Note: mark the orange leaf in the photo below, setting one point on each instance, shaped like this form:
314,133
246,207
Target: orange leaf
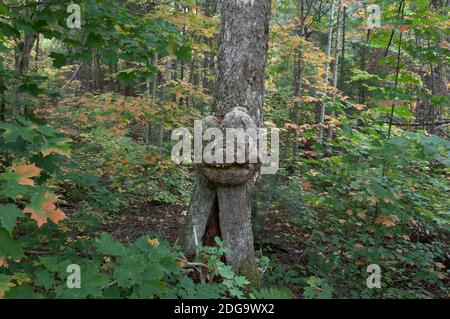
387,221
388,201
25,172
404,28
47,210
307,186
2,262
181,262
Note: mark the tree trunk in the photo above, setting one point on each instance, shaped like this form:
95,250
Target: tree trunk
327,72
226,211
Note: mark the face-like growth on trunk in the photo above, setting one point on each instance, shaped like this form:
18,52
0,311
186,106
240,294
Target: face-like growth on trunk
234,145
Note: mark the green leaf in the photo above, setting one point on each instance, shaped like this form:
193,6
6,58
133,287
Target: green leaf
8,216
45,279
59,59
106,245
5,284
12,133
22,292
10,247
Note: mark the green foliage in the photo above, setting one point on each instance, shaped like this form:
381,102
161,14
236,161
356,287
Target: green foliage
212,256
272,293
317,289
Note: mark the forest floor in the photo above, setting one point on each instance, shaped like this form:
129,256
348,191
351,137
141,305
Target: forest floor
274,235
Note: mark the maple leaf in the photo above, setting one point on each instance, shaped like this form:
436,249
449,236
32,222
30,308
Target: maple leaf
390,221
45,209
362,214
25,172
388,201
2,262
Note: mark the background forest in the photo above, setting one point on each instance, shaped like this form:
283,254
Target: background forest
86,175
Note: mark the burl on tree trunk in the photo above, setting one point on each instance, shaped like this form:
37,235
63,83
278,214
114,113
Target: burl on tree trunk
221,200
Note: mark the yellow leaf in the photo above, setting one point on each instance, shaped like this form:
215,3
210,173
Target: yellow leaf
359,263
153,242
362,214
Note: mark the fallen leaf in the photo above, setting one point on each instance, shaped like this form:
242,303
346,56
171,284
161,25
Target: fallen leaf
440,265
181,262
359,262
441,276
390,221
362,214
307,186
153,242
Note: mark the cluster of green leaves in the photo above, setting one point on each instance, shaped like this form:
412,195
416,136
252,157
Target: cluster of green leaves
373,201
146,268
213,256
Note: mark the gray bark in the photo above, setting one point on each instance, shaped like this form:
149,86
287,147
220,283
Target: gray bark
240,83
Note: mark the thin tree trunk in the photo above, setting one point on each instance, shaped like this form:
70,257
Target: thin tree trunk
327,73
336,62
